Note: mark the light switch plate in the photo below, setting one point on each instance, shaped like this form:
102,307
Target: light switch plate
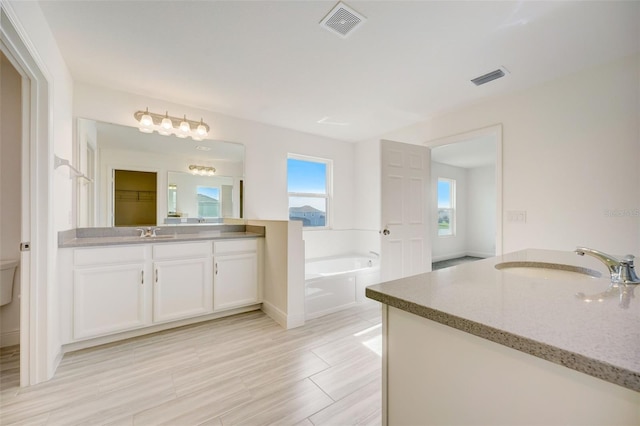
517,216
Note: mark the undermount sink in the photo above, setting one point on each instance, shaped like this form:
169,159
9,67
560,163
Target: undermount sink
548,271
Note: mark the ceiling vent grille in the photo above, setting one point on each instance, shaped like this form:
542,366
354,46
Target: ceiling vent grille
342,20
490,76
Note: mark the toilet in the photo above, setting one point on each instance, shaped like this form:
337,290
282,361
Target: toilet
7,272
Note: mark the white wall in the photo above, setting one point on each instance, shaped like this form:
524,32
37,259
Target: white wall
283,277
570,157
10,196
481,211
449,247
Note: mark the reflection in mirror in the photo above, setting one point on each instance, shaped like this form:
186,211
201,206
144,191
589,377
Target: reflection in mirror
103,148
172,200
203,197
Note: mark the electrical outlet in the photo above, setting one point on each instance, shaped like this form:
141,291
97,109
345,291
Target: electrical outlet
517,216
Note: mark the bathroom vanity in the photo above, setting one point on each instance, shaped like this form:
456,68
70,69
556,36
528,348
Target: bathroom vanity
116,284
513,339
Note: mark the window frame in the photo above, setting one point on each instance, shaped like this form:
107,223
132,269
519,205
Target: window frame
219,189
327,196
452,209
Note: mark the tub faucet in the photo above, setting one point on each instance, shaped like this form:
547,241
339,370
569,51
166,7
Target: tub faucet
622,270
374,253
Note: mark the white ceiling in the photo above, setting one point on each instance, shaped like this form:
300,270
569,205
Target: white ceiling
271,61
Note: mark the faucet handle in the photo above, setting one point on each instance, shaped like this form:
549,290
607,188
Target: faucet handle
628,273
154,232
141,231
628,259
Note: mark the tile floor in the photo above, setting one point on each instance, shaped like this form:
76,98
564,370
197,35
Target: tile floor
240,370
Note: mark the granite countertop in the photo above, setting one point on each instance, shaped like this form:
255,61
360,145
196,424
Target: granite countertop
96,237
545,315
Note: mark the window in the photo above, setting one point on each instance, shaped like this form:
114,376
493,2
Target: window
446,207
208,201
309,187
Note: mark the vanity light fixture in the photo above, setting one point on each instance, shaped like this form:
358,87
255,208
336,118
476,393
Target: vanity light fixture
202,170
148,122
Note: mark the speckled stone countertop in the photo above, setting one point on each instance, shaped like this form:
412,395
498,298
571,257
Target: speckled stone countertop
543,314
94,237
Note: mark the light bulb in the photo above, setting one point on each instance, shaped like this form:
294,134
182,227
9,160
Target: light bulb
201,130
184,126
146,120
166,122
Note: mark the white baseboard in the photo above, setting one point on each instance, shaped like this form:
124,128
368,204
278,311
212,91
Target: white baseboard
448,256
294,321
286,321
10,338
274,313
481,254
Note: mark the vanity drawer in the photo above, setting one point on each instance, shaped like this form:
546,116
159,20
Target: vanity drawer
166,251
235,246
109,255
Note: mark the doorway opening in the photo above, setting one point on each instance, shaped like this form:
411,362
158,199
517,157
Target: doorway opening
10,220
466,176
135,198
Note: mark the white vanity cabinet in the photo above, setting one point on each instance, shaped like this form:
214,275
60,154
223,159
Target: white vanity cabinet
235,273
182,281
109,290
114,292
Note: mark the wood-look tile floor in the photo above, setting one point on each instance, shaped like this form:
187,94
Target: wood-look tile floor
240,370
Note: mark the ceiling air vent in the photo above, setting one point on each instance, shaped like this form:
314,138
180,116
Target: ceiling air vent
490,76
342,20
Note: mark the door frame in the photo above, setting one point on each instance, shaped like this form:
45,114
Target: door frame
37,264
495,131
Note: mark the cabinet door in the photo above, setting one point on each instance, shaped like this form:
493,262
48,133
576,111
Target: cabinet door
182,288
108,299
235,280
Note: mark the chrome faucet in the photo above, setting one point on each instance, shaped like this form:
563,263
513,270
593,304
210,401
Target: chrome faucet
149,232
622,270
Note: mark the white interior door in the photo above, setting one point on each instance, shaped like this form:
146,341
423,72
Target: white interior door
405,246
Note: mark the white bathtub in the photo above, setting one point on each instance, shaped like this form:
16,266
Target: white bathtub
336,283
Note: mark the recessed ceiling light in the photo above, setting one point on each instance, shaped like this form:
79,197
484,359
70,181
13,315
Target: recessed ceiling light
203,148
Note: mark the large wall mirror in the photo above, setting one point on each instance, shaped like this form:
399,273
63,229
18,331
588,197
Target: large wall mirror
142,179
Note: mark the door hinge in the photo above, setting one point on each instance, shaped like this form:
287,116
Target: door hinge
25,246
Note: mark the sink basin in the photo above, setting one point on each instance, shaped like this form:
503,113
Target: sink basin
548,271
